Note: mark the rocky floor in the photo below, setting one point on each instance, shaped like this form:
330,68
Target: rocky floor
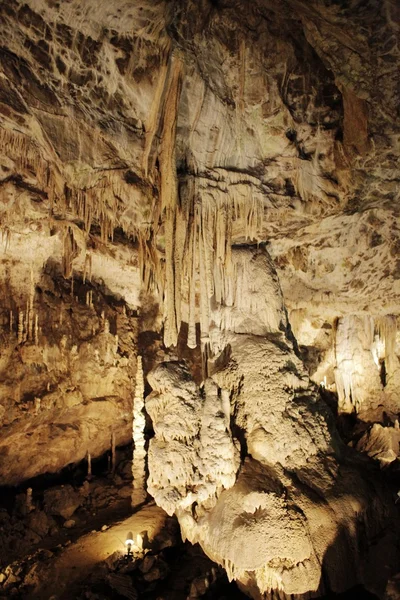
95,565
67,540
63,507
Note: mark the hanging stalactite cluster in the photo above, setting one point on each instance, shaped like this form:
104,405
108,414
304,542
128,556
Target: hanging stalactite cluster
197,224
104,200
367,368
202,261
184,232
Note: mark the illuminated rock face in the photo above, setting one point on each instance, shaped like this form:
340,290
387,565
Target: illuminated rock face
66,389
227,169
263,522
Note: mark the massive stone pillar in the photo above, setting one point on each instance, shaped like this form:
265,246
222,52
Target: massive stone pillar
250,462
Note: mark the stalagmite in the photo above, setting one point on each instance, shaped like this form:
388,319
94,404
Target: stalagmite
89,466
29,502
138,425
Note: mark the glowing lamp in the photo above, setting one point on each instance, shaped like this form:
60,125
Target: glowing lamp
129,543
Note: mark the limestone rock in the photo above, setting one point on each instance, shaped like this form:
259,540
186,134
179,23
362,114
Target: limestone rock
393,588
381,443
69,524
267,398
122,584
68,389
227,170
39,522
62,501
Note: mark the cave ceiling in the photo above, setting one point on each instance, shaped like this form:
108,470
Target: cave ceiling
290,108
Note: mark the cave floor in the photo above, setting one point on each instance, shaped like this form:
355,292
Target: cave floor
77,560
57,569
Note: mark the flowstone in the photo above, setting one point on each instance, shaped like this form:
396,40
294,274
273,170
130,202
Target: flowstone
273,514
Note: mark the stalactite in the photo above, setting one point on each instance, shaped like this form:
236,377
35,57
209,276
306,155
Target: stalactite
152,122
87,267
357,378
204,287
200,252
36,329
192,270
386,328
202,243
138,425
106,326
100,199
6,237
26,324
29,310
169,195
181,241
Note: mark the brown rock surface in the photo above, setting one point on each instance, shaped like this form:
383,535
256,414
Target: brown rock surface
145,147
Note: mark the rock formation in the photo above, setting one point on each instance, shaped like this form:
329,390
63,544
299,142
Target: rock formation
264,519
212,186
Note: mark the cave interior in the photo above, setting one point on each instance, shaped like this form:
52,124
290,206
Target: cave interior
199,299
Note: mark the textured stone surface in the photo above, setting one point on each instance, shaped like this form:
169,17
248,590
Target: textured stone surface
144,147
66,380
62,501
265,525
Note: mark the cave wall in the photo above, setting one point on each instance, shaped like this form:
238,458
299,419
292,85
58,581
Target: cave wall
67,376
